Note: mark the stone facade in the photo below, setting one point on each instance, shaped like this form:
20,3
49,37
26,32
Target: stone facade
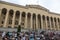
29,17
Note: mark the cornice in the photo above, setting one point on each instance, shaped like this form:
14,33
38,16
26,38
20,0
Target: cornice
12,4
27,6
54,13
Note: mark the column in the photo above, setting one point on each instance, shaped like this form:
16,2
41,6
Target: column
26,22
54,24
37,22
46,23
31,22
42,22
20,18
57,24
6,19
0,12
13,19
0,16
50,23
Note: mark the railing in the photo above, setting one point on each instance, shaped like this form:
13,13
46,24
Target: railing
12,29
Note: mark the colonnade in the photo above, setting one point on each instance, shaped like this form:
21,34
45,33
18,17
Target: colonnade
11,18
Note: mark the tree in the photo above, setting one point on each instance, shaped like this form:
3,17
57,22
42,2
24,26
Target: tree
19,28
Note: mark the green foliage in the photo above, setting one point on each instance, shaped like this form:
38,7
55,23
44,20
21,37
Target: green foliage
19,28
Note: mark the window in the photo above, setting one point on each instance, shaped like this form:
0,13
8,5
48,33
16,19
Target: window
52,22
2,22
29,15
11,12
15,27
34,21
22,23
43,17
55,23
23,14
58,19
34,16
4,11
9,26
39,21
10,21
44,22
16,22
48,21
17,13
4,17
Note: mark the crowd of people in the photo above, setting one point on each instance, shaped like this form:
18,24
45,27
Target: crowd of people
43,35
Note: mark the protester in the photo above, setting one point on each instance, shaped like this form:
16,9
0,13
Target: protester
30,36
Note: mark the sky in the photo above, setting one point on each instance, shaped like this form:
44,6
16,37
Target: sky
52,5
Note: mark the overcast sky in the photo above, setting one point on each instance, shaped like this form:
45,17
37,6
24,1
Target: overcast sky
52,5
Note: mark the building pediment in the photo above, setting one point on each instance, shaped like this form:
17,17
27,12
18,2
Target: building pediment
37,7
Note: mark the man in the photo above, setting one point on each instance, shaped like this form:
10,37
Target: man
3,34
23,37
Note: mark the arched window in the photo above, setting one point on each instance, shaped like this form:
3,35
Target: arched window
47,18
52,22
11,12
55,23
9,26
59,22
39,21
28,20
43,17
10,16
48,23
2,22
16,22
55,19
23,14
34,21
17,14
58,19
34,16
44,22
4,11
10,21
23,19
51,19
29,15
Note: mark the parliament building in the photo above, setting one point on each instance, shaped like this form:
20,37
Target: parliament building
32,17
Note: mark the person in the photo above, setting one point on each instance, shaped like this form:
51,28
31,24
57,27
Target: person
23,37
5,39
15,36
3,34
31,37
27,37
7,34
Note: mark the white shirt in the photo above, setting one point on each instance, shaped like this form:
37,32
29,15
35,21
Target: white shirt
23,38
15,35
3,34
